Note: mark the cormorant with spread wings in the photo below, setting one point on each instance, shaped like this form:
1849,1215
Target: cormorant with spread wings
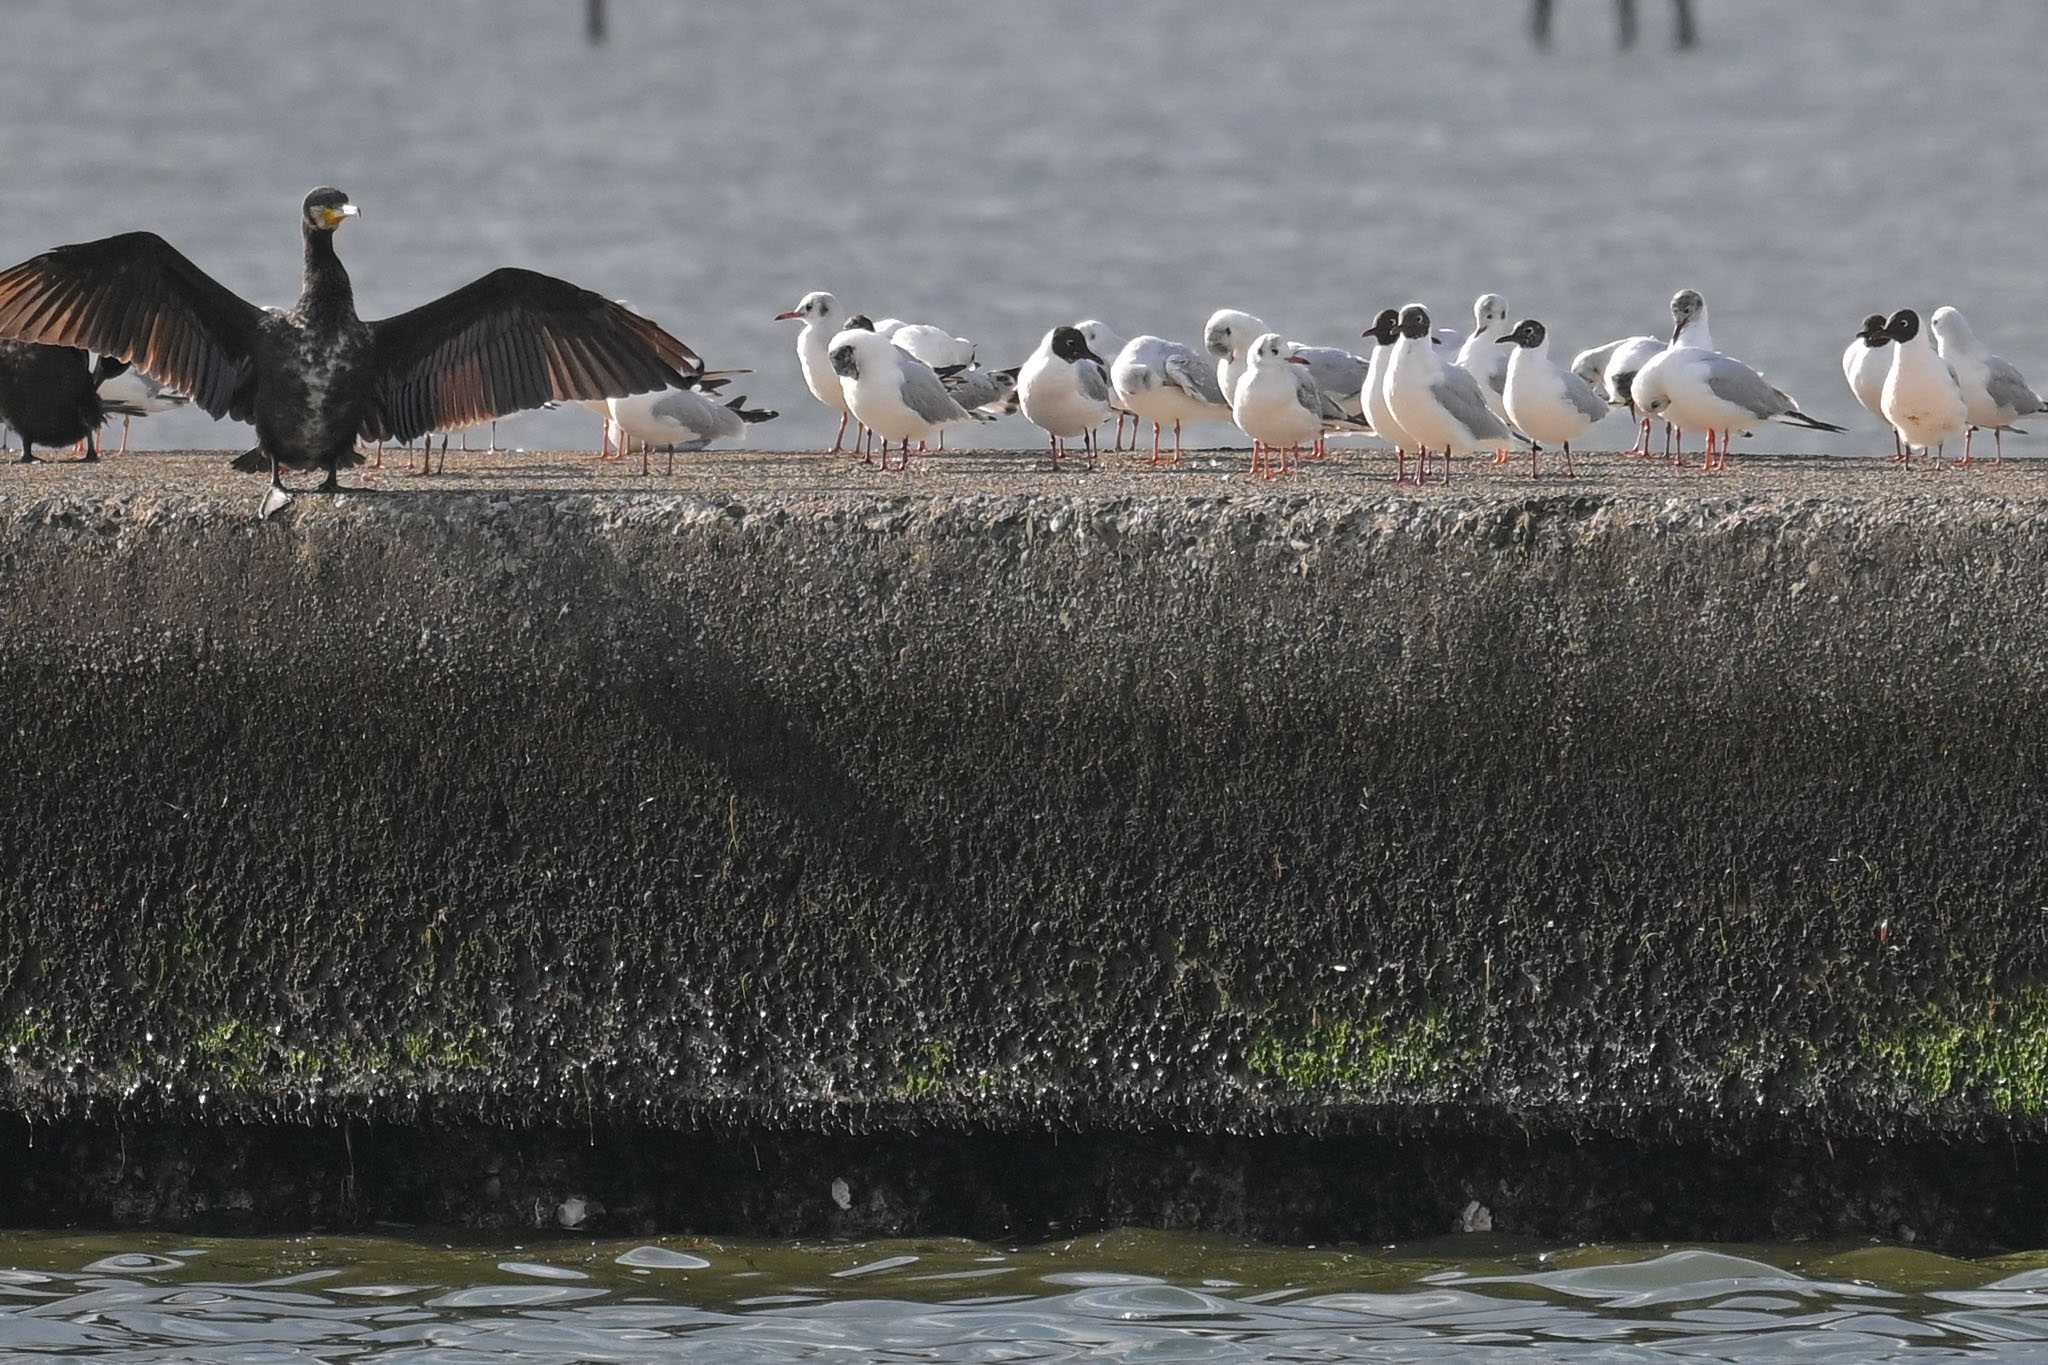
315,378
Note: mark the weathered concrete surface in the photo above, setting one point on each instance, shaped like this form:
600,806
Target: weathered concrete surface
1650,806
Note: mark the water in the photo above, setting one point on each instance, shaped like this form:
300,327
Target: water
1134,1297
1002,169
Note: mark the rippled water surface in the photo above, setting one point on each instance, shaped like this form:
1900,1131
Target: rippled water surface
1002,168
1123,1297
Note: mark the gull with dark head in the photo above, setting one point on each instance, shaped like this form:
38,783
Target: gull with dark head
1696,388
1546,402
1921,399
891,392
1064,388
1442,407
1865,363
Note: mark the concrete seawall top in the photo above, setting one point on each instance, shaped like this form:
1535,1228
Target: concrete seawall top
791,793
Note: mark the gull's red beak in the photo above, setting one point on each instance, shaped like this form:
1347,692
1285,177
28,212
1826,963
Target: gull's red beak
787,314
1296,360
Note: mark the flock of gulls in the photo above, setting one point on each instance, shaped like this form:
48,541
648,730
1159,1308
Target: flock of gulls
127,326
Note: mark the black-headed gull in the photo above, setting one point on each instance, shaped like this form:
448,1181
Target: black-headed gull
1481,353
134,394
1277,402
1167,384
1442,407
1545,401
822,319
891,392
935,346
1994,391
1865,363
1696,388
1385,331
685,419
1064,388
1921,398
1611,370
1108,343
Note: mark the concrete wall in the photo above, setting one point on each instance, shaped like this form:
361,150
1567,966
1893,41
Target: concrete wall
1574,816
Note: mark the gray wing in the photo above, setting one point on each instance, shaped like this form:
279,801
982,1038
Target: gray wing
1093,381
1193,376
924,393
1465,401
2008,388
1583,397
697,414
1731,381
1336,371
1310,394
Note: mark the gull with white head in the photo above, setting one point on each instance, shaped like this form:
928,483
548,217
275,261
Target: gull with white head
1277,403
1994,390
1167,384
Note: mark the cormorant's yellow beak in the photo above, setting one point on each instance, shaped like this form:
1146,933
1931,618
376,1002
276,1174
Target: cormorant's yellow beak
332,217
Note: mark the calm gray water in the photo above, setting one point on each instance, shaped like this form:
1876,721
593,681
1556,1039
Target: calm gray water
1123,1297
1003,168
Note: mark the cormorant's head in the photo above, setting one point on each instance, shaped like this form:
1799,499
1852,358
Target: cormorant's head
1872,332
1415,322
1385,327
816,306
1069,345
1686,307
1528,332
1904,326
326,208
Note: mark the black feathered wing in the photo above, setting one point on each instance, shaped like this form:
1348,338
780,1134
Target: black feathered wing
510,341
137,297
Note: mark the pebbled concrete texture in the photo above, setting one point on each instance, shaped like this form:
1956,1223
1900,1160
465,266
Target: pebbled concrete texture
1694,812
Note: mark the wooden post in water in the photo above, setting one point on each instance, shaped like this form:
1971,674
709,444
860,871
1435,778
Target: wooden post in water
594,21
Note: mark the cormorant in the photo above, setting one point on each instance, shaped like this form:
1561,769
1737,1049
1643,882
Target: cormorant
317,377
50,394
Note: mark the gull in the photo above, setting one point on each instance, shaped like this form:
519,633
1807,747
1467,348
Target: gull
1865,363
1166,382
820,314
1438,405
935,346
1696,388
1611,370
890,391
1996,393
134,394
1385,331
1546,402
681,419
1227,335
1922,399
1479,353
1339,375
1105,342
1064,388
981,390
1277,402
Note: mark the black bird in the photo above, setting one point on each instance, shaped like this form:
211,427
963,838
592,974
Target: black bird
317,377
51,395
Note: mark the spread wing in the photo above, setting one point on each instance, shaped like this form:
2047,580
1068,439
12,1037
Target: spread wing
513,340
137,297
